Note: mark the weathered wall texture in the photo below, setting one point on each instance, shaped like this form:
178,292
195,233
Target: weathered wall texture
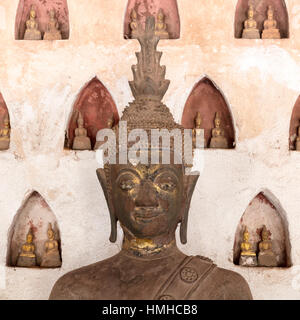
40,82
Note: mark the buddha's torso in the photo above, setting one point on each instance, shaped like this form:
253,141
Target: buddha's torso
247,248
80,132
265,246
4,133
53,25
28,250
31,24
250,24
123,277
51,246
270,24
161,26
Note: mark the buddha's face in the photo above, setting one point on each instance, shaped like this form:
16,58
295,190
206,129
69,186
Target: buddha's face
246,236
110,123
251,14
148,199
265,235
29,238
50,234
217,122
133,15
80,122
32,14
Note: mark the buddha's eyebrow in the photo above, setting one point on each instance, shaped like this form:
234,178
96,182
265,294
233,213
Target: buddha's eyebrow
159,170
128,170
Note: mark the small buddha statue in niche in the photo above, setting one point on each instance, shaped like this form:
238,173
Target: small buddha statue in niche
5,135
218,139
27,257
250,26
297,144
149,201
51,257
270,26
81,140
266,256
109,125
160,26
52,30
32,32
197,129
248,257
133,24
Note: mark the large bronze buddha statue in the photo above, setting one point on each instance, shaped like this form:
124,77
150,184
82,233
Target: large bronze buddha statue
149,201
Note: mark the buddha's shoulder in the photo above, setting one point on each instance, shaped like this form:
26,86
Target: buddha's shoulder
77,284
220,284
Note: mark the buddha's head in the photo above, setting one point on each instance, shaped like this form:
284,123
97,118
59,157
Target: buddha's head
133,15
246,235
265,234
29,237
149,200
32,12
52,14
80,120
251,12
198,120
6,123
270,13
160,15
217,120
50,232
110,121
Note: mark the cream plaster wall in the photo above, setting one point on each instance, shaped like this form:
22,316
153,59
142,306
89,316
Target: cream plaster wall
40,80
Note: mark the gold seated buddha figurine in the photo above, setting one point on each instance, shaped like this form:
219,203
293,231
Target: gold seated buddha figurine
27,257
52,30
32,32
5,135
218,139
266,256
250,30
149,200
160,26
81,140
133,24
270,26
197,130
51,257
248,257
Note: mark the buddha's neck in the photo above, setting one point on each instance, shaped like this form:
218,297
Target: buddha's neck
148,249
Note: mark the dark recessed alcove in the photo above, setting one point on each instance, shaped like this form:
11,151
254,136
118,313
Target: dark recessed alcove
294,125
144,8
35,215
207,99
96,106
260,15
266,210
4,116
42,13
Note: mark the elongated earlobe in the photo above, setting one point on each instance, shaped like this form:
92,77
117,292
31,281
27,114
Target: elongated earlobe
190,182
113,219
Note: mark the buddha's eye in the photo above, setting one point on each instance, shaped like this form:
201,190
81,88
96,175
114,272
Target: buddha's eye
166,182
126,185
167,186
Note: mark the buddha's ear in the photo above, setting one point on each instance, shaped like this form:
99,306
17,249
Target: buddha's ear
113,220
190,182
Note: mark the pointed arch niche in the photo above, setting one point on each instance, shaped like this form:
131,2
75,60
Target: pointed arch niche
36,214
4,114
42,12
144,8
294,125
260,15
96,106
207,99
264,209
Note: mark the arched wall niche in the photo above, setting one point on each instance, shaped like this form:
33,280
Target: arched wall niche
96,105
144,8
294,125
207,99
260,15
4,114
42,11
266,210
36,214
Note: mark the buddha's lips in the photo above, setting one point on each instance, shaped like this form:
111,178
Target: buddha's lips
147,213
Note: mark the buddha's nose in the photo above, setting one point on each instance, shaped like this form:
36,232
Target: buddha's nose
146,196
